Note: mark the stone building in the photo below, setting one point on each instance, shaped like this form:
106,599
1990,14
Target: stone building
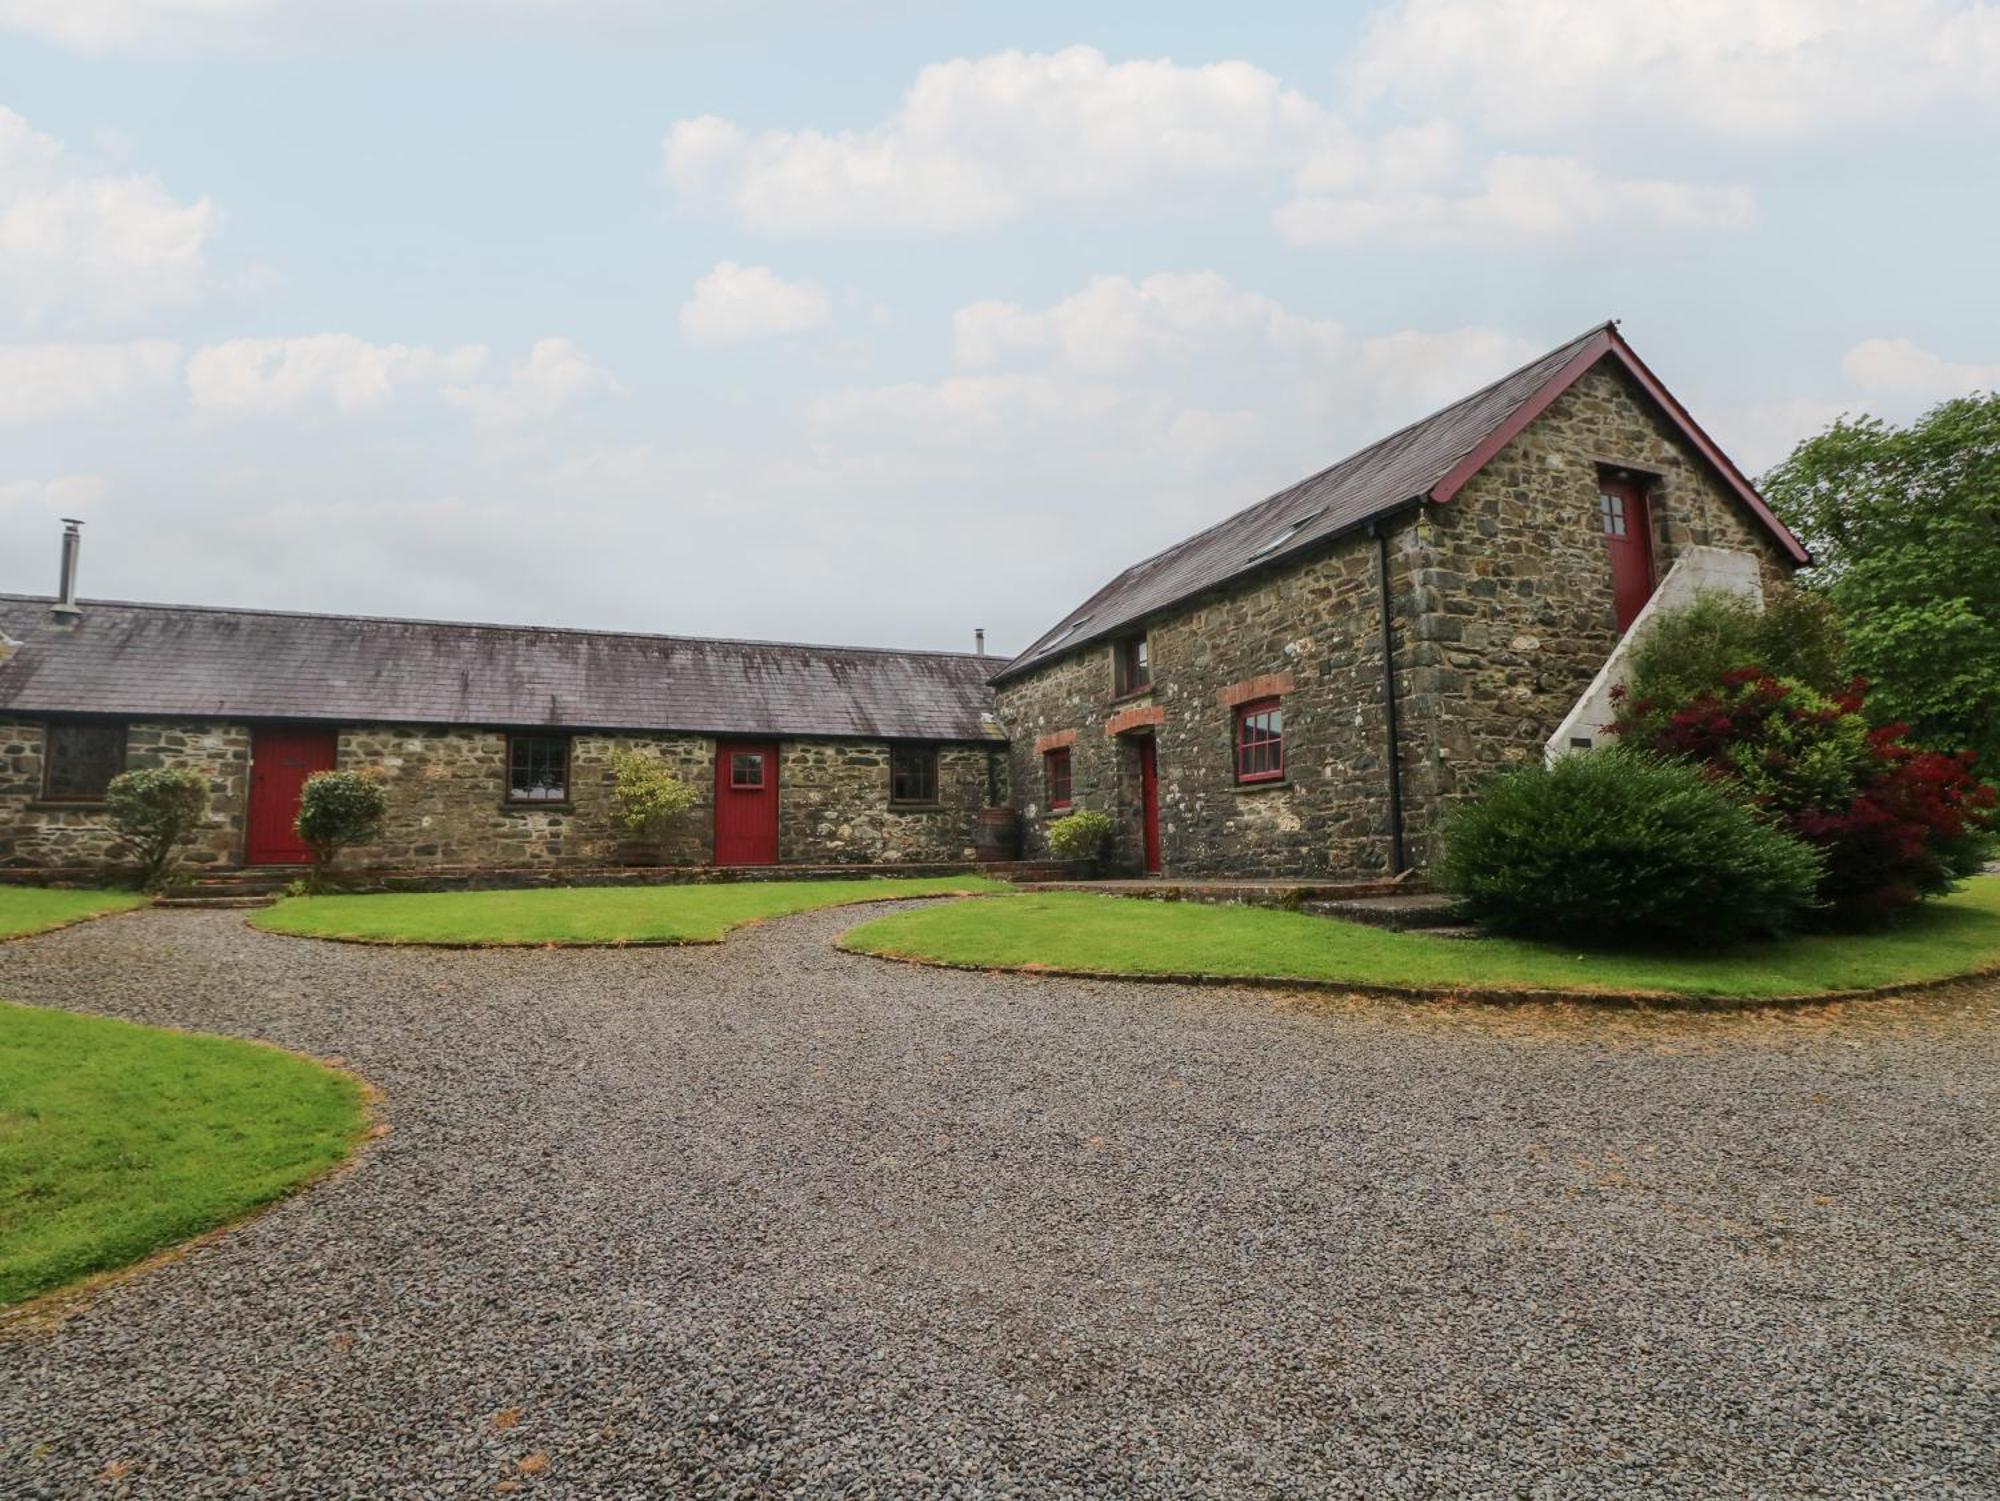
1305,687
1302,689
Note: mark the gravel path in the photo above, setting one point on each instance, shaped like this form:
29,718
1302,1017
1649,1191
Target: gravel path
766,1219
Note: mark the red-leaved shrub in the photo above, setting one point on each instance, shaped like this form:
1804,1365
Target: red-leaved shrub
1894,823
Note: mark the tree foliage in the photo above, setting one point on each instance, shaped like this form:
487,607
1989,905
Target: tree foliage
1905,524
645,794
339,809
156,812
1892,823
1687,650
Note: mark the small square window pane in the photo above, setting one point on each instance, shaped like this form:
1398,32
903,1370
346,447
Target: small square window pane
746,769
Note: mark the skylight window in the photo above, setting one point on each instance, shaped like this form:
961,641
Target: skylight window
1287,534
1062,635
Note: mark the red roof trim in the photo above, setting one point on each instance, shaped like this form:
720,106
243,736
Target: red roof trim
1609,342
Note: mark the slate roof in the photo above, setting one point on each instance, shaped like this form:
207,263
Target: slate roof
174,661
1429,459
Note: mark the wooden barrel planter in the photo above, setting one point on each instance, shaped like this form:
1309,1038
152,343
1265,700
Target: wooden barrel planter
998,835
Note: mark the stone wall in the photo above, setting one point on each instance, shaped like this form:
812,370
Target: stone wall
448,808
77,835
448,789
1512,613
1315,625
833,805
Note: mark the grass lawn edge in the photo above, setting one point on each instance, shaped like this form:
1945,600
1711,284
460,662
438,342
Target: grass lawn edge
138,903
461,944
1498,995
48,1308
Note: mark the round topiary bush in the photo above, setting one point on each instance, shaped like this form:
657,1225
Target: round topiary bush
1613,847
1080,836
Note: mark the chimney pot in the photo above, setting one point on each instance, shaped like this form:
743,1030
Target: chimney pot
979,639
72,544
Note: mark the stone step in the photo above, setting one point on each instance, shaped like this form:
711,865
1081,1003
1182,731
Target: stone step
1404,912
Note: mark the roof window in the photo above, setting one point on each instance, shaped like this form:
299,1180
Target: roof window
1288,533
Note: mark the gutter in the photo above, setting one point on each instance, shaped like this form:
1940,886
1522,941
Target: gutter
1398,857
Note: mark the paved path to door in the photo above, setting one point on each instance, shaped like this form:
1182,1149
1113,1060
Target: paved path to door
764,1219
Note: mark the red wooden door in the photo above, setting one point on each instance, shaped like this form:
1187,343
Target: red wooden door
280,762
1149,801
746,802
1628,537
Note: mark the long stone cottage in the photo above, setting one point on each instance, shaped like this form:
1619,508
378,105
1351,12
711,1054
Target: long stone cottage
1300,690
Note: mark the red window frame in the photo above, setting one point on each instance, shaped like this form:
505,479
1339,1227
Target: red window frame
1260,741
1056,777
1135,666
736,759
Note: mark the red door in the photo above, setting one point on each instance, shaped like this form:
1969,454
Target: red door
280,762
1628,536
1149,801
746,802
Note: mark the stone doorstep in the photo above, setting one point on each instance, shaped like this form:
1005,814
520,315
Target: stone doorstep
1428,911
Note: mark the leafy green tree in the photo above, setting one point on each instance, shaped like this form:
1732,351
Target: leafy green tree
155,812
1905,523
646,796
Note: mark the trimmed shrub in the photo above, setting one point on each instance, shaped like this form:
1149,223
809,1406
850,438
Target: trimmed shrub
339,809
1079,836
1894,823
1613,847
1687,651
646,795
155,812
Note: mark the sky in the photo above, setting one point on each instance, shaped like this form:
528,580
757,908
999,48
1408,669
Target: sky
874,321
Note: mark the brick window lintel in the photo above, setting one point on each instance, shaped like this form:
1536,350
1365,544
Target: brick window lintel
1056,741
1265,685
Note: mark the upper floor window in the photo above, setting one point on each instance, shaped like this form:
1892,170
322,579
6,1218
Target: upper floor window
913,773
1260,741
538,768
80,759
1135,666
1055,777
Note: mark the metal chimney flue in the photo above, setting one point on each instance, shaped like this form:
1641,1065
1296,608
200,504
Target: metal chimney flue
979,639
72,544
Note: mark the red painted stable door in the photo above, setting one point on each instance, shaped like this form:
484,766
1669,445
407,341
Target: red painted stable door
1628,537
280,762
746,802
1149,802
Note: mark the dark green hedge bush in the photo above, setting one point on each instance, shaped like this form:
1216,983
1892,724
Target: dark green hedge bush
1612,847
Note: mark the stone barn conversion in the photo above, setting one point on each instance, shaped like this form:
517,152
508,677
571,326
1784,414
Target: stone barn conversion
1299,691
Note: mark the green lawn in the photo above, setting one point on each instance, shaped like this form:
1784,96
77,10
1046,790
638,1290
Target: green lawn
116,1139
1115,935
36,909
585,914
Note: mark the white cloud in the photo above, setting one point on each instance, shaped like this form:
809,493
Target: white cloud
1117,326
1904,369
320,372
978,141
555,376
79,495
188,27
734,303
1748,68
83,248
43,381
1537,201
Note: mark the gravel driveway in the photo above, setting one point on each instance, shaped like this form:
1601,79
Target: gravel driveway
766,1219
